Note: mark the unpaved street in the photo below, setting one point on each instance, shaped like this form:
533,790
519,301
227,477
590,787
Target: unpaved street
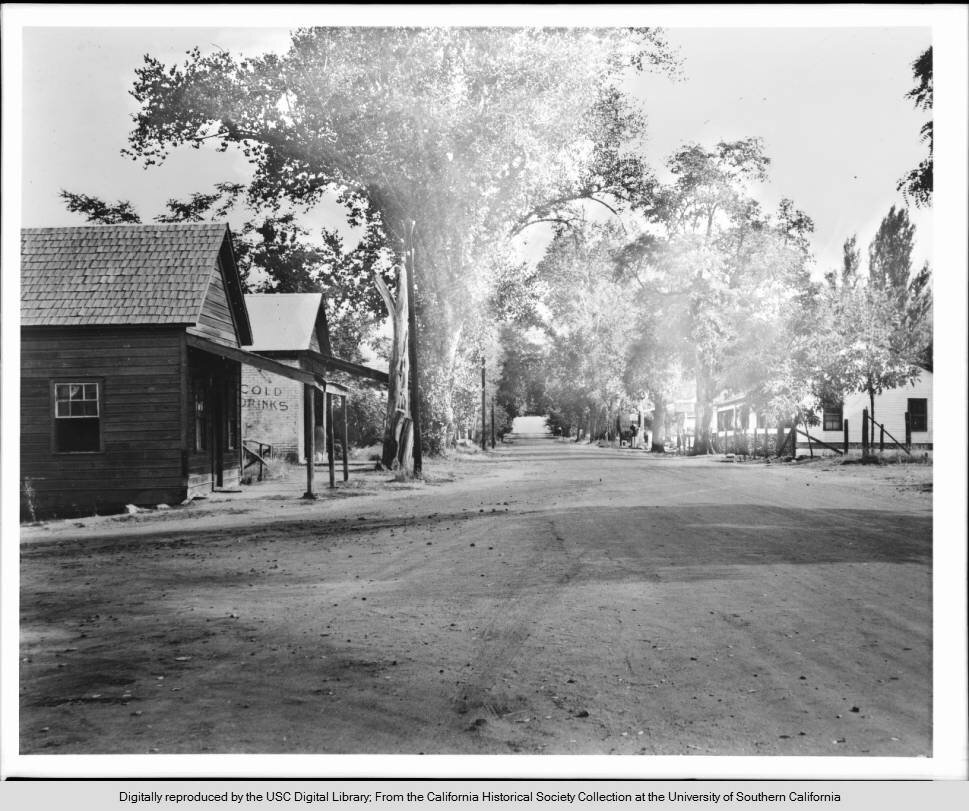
552,599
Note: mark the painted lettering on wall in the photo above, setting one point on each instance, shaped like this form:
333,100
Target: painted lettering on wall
265,405
264,391
264,398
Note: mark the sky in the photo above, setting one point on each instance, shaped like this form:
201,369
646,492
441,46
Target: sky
829,104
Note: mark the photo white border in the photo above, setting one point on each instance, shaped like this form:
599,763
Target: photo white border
950,758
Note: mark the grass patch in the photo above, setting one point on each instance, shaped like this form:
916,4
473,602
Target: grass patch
887,458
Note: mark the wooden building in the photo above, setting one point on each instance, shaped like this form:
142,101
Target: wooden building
291,328
131,351
736,423
891,406
286,327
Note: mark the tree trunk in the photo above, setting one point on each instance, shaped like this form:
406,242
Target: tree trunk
659,424
415,447
704,412
398,425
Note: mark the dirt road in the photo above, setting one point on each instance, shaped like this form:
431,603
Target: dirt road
552,599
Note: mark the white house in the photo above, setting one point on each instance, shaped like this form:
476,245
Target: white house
890,409
733,419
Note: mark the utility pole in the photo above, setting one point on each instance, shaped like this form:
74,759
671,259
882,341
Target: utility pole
415,402
492,422
484,413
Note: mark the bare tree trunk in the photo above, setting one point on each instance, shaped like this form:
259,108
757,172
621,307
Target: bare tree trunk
659,423
416,449
398,425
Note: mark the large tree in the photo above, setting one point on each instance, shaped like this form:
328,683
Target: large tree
881,326
890,253
589,325
461,136
714,268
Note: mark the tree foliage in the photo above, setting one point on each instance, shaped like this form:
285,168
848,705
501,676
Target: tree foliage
890,253
880,328
590,324
917,184
99,211
274,253
716,273
472,134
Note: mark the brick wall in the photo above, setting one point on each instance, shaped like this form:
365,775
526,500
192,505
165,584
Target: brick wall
272,410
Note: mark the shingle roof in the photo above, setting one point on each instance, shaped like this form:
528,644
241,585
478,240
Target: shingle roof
282,321
117,274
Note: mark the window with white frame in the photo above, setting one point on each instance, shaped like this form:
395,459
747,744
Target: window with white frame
918,414
833,417
77,417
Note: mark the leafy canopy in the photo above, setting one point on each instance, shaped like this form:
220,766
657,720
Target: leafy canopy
471,133
918,182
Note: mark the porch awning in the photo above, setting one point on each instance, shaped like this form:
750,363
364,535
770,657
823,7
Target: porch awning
321,363
266,364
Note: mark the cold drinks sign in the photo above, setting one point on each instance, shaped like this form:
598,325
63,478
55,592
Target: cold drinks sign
263,398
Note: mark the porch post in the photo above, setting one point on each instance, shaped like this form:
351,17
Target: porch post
346,443
329,439
309,436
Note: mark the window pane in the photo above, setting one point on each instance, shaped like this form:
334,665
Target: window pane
833,417
76,400
201,422
918,414
79,435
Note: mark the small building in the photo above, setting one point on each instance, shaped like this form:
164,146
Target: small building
131,350
891,406
286,327
291,329
736,427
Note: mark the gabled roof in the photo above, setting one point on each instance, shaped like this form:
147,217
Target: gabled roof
286,322
125,274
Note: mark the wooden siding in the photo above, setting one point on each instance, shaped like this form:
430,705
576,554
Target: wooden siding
140,422
890,408
216,320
